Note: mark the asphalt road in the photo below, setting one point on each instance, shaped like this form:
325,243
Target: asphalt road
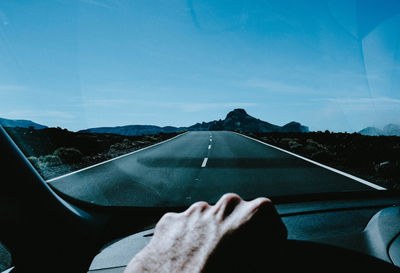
201,166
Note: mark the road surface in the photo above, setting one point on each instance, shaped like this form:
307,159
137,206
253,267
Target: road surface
201,166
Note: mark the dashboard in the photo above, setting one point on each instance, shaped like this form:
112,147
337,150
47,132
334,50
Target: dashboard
365,226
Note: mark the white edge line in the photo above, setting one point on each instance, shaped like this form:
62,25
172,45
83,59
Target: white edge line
115,158
365,182
209,147
204,162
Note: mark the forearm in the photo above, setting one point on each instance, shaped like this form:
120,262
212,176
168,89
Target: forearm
150,260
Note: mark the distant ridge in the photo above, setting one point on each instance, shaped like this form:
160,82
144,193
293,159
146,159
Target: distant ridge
134,130
389,130
20,123
371,131
237,119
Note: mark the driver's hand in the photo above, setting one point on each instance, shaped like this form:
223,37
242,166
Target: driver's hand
231,236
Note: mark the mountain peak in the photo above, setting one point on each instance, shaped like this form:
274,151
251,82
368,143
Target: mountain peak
239,112
389,130
392,130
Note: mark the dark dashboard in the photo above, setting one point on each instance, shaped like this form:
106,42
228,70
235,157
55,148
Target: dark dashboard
351,231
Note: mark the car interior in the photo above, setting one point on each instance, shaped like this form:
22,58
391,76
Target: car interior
112,79
44,229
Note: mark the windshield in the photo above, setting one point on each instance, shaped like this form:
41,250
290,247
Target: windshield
163,103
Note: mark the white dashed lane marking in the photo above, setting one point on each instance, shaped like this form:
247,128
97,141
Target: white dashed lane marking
204,162
206,158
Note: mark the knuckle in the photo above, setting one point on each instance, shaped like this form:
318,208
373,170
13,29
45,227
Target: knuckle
198,206
168,217
165,221
201,204
229,203
261,201
230,197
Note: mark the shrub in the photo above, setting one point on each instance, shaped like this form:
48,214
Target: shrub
68,155
49,161
116,147
34,161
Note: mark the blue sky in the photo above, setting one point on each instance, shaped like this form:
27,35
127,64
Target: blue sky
77,64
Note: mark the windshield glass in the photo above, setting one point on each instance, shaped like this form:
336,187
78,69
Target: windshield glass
163,103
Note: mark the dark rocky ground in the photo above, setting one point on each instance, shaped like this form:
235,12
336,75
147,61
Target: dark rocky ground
373,158
56,151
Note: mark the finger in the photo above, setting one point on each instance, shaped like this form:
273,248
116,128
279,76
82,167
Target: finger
245,211
250,208
226,205
254,205
200,206
261,217
252,226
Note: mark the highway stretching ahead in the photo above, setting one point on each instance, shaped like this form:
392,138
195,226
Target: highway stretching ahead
201,166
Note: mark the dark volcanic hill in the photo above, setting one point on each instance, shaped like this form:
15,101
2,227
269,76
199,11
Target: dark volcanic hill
237,119
20,123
